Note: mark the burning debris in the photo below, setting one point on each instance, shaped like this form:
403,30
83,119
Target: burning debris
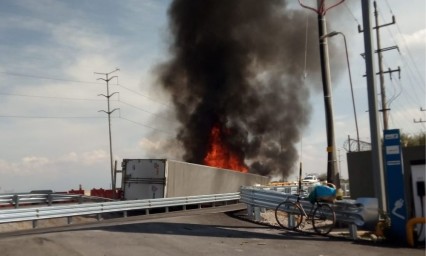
220,155
236,79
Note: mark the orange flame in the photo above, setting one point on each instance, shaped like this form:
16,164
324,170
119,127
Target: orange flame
220,156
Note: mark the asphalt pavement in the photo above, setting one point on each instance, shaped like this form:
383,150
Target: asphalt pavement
212,231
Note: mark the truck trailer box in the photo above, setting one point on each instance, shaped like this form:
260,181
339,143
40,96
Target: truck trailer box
159,178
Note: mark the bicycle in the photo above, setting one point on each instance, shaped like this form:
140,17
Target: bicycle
290,215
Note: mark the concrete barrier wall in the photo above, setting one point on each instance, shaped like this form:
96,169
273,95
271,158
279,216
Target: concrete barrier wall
186,179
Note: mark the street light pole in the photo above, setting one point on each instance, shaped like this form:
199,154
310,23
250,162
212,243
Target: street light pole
331,34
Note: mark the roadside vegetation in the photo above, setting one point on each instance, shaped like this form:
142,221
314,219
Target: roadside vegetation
409,140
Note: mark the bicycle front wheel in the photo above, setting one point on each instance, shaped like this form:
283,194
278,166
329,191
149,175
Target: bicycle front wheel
288,215
324,219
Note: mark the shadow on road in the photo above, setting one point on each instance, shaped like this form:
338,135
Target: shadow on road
197,230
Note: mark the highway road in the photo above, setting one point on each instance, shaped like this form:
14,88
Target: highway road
196,232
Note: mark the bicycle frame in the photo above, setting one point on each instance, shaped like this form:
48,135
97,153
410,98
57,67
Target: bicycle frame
293,216
311,212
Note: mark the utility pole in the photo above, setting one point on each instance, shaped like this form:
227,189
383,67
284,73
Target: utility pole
381,73
376,148
420,120
321,10
108,112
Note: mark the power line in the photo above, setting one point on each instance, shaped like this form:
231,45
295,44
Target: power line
405,45
49,117
146,111
401,54
410,93
82,82
147,126
83,99
47,97
350,11
47,78
88,117
142,95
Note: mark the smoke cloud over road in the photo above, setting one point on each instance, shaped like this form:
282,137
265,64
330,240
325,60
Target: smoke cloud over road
239,66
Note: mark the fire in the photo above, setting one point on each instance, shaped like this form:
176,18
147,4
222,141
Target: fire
221,156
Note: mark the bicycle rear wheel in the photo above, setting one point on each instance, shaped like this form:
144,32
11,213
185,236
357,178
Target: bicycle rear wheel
324,219
288,215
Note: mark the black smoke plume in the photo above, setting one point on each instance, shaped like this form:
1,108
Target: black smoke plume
239,65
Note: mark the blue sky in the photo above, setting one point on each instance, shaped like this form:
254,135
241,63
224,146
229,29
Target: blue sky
53,136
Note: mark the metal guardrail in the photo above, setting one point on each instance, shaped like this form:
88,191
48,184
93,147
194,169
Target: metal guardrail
361,212
17,200
39,213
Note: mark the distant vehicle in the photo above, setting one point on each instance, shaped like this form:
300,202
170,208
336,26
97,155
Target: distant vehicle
310,178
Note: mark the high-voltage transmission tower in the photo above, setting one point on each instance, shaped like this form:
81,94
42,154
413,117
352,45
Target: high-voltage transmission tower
381,73
109,112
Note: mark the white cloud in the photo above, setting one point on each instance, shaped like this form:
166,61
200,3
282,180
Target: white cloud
39,164
418,37
94,157
34,161
55,172
71,157
416,40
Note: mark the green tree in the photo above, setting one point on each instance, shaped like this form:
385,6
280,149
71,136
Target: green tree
413,139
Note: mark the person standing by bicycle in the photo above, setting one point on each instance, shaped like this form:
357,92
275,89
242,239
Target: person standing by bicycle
324,193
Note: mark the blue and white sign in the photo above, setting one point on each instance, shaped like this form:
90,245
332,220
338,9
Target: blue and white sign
395,184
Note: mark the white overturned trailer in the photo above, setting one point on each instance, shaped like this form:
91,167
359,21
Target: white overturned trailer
160,178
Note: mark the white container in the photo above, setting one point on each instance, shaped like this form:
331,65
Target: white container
157,178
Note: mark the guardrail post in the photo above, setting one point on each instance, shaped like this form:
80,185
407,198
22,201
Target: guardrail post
257,213
80,199
35,223
15,201
353,231
146,211
69,220
49,199
291,221
250,211
99,217
184,207
124,214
